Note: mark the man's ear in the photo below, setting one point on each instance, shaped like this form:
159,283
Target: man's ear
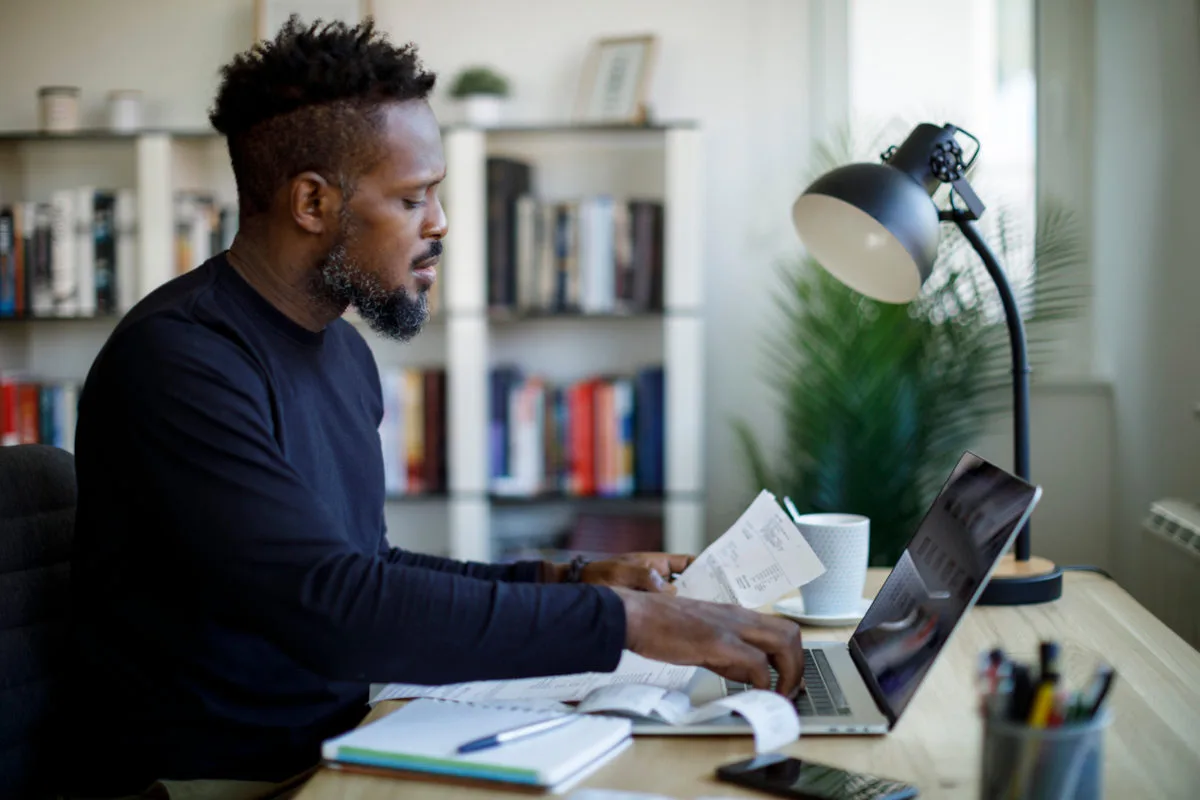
314,203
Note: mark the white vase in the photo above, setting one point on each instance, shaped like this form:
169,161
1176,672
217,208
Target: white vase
482,110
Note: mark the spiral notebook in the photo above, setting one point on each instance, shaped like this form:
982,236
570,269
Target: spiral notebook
422,738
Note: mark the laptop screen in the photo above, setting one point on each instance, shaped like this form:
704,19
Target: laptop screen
939,574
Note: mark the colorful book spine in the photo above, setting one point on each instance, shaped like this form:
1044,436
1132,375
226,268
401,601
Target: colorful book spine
600,436
412,430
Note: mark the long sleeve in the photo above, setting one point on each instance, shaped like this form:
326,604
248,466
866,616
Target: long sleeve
519,572
268,552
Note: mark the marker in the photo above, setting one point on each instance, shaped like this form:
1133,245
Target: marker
1048,659
1018,707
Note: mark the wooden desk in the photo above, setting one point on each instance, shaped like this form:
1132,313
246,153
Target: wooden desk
1152,749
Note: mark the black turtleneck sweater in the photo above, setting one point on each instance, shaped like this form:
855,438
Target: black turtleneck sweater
233,591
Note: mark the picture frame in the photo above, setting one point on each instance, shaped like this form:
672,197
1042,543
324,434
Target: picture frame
616,80
269,15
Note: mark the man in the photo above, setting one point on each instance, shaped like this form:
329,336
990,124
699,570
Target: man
234,592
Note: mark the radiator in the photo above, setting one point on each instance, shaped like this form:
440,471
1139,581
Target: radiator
1170,562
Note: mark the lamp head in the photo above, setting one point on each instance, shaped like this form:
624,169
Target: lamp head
874,226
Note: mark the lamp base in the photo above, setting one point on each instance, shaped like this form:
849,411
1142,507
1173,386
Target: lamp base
1022,583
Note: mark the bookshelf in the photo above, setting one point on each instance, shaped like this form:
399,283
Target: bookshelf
468,337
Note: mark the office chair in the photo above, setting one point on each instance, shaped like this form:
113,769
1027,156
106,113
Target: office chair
37,518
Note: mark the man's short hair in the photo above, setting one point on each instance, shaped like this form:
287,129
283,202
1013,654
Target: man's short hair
309,100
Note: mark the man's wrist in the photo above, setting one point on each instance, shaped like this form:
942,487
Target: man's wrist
634,608
564,573
574,571
552,573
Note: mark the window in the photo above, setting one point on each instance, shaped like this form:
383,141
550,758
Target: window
966,62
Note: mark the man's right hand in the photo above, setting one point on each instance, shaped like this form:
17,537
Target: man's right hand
734,642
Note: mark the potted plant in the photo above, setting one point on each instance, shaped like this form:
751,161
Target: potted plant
481,92
878,401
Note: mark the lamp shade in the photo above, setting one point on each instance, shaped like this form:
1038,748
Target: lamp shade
873,227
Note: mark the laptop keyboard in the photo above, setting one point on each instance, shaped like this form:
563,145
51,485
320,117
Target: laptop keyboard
822,696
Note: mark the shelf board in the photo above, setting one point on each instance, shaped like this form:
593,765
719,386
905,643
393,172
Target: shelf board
102,135
550,498
551,128
504,315
47,320
424,497
568,128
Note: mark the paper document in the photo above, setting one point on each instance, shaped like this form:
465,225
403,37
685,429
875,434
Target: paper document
757,561
614,794
772,716
632,669
621,794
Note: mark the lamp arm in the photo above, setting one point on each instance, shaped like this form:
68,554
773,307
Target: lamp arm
1020,358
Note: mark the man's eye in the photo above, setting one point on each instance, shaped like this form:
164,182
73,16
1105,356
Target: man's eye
411,204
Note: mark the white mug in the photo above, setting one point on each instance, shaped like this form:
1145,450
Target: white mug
842,542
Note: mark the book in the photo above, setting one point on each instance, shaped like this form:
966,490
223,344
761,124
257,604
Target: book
422,739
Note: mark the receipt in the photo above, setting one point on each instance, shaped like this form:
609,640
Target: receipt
629,699
757,561
772,716
638,701
632,669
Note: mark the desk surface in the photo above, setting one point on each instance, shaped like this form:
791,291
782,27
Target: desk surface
1152,749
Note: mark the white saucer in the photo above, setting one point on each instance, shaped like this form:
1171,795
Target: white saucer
793,608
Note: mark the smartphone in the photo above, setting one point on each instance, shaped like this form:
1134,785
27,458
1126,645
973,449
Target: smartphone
806,780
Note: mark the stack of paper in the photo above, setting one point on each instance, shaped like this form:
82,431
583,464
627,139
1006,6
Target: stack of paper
759,559
633,669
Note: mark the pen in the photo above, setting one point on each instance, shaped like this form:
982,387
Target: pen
513,734
1106,679
998,668
793,512
1060,710
1043,704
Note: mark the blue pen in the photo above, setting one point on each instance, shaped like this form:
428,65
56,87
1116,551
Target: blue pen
513,734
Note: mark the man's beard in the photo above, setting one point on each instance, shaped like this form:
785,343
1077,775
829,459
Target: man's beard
394,314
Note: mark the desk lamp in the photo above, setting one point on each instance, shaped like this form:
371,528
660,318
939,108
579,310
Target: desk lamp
875,228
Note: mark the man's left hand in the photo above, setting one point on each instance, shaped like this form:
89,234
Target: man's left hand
648,572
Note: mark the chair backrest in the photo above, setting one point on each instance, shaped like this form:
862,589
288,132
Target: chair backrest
37,520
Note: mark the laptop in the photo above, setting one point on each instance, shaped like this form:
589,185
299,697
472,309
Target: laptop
862,687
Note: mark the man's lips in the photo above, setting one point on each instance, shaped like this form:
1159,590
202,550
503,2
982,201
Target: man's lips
426,270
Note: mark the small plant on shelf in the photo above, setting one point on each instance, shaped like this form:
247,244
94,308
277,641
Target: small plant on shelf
479,81
482,92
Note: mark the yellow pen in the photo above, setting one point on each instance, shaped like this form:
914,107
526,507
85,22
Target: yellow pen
1043,704
1039,715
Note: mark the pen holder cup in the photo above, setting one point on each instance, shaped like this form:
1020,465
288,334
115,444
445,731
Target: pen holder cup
1063,763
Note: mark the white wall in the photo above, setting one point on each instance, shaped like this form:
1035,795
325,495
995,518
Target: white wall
742,69
1147,267
739,68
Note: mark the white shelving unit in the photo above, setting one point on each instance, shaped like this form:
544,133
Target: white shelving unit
662,163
